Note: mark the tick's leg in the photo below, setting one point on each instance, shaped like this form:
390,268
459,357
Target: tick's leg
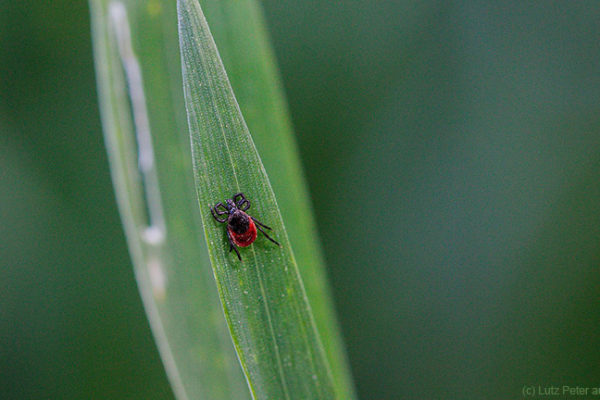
243,203
224,209
233,246
267,236
221,220
215,212
260,223
240,195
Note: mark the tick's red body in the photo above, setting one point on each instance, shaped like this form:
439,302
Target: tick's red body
246,238
241,228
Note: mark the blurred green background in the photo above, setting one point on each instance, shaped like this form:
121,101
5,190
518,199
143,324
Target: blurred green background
452,150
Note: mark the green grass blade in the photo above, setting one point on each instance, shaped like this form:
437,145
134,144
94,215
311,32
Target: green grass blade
239,31
264,301
145,126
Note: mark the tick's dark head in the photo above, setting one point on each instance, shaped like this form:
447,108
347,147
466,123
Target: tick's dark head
230,205
238,221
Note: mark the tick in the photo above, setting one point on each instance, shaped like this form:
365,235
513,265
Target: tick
241,227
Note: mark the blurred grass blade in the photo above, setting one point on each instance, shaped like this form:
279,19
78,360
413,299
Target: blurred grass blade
239,31
264,301
145,128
